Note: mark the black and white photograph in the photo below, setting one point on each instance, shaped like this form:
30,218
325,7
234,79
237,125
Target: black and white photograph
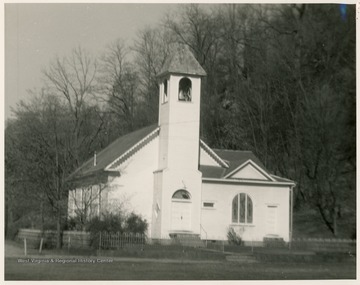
180,141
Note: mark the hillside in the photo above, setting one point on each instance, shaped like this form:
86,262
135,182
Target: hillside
308,223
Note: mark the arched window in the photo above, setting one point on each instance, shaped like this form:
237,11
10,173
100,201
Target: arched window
165,98
165,87
185,89
181,194
242,209
164,91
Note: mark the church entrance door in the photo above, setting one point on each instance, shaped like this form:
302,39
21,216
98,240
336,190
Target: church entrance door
181,216
181,211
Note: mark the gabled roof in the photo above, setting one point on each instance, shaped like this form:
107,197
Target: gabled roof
235,158
134,148
182,61
107,160
112,152
212,171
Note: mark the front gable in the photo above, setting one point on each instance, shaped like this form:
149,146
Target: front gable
249,170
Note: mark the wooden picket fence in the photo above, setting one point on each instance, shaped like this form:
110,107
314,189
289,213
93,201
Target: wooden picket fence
105,240
34,236
120,240
76,239
70,239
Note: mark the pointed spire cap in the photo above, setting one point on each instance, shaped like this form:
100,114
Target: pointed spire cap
181,61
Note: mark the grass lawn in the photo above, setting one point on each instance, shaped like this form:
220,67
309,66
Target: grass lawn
118,270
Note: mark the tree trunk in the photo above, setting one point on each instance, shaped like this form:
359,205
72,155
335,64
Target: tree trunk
58,229
335,215
42,214
325,219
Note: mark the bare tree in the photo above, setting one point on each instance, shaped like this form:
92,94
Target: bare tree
152,49
74,78
120,82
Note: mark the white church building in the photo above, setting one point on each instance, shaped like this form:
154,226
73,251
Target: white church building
174,180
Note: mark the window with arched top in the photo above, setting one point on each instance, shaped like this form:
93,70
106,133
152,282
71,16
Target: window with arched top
181,194
164,91
165,87
185,89
242,209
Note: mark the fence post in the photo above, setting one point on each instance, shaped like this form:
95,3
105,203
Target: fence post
100,242
41,244
69,241
25,249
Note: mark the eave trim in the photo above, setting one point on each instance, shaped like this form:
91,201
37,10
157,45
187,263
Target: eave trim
245,181
131,151
217,158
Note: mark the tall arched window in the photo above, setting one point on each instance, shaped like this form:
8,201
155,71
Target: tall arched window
181,194
165,87
185,89
242,209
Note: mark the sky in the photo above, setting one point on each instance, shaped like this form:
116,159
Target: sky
36,33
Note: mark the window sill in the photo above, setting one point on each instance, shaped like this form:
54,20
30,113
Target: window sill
242,225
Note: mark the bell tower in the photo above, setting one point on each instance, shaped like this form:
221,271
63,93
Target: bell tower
177,182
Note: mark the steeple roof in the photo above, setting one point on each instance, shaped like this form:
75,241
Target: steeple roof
182,61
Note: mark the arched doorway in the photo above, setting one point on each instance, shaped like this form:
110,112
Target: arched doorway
181,211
